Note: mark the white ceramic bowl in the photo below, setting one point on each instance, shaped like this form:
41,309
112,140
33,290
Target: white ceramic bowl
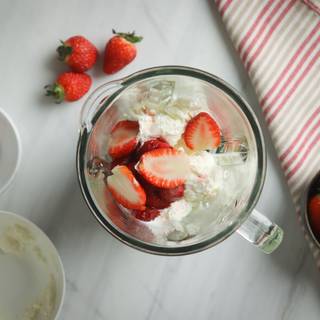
10,150
32,280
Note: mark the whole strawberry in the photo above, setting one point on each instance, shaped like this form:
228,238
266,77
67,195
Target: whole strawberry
314,214
78,53
120,51
69,86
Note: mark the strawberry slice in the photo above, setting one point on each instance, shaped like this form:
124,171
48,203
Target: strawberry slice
152,144
202,133
123,138
164,168
154,199
146,215
125,189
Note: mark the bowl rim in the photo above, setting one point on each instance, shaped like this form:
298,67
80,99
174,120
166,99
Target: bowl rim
19,147
60,264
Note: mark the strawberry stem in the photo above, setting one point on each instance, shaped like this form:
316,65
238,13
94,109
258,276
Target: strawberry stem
56,91
64,51
129,36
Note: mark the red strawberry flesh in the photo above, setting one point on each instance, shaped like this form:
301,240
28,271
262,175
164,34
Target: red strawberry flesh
125,189
120,161
171,195
202,133
147,214
164,168
314,214
152,144
154,199
123,138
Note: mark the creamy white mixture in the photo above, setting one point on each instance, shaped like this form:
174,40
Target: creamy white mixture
209,179
168,122
22,262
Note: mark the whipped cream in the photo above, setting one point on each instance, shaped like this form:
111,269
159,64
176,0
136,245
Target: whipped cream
160,125
171,219
205,179
178,210
165,115
166,118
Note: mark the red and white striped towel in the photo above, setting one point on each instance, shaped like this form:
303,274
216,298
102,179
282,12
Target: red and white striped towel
279,44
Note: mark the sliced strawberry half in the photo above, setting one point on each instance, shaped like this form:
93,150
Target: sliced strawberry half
154,199
123,138
125,189
152,144
202,133
164,168
146,215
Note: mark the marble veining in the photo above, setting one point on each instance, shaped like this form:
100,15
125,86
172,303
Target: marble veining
105,279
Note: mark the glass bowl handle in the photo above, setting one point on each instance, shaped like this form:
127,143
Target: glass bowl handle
95,100
261,232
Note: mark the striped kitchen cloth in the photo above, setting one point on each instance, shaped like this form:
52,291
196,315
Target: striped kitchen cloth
279,44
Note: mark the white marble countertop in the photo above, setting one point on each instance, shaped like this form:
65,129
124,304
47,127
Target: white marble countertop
105,279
